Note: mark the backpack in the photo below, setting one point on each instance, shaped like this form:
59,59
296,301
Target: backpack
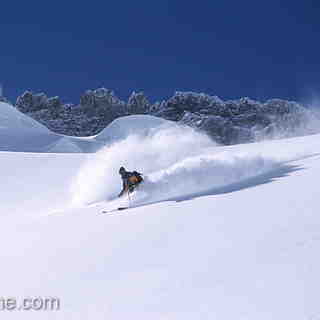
135,178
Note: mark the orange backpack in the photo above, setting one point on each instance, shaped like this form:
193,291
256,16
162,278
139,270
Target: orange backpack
135,178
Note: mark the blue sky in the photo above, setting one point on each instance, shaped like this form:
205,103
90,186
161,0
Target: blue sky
260,49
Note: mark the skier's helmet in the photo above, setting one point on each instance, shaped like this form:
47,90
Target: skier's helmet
122,170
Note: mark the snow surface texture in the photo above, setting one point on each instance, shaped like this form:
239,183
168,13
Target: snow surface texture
244,246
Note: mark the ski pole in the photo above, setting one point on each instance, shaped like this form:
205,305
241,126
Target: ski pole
129,198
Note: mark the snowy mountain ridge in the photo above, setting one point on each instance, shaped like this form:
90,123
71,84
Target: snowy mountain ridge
227,122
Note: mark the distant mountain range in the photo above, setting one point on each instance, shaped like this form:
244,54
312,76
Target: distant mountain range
227,122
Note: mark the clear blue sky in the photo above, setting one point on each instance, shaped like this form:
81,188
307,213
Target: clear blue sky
261,49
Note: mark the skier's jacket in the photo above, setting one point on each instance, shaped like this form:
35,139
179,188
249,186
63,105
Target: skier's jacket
129,181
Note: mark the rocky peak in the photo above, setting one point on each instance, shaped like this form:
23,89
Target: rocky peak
30,102
190,100
138,103
174,108
101,97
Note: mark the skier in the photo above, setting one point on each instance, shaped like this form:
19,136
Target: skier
130,180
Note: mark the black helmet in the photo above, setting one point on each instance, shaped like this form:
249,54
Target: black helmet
122,169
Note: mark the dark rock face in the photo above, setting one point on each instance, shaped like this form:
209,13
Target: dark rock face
138,104
174,108
96,110
29,102
237,121
220,129
227,122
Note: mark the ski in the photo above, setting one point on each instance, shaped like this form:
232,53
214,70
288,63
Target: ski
115,210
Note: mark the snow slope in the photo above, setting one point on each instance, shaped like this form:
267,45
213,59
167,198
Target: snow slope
21,133
232,232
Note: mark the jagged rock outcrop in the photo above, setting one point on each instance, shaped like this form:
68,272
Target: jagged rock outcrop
101,98
174,108
222,130
30,102
96,110
138,104
228,122
235,121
